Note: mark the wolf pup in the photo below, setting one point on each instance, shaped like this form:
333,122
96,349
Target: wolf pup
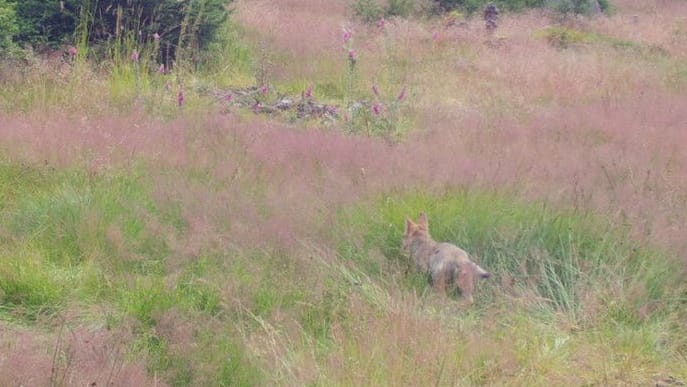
447,266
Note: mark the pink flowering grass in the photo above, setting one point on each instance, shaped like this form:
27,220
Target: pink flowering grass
590,157
86,357
310,30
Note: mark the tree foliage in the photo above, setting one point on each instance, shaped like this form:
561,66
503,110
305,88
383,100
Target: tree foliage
564,6
373,10
8,27
42,22
475,5
173,23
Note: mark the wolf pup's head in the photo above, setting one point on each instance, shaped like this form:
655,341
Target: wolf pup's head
415,232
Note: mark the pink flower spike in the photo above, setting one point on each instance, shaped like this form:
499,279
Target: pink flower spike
180,97
229,97
161,69
134,56
72,51
347,35
401,95
308,92
351,55
376,108
263,89
381,23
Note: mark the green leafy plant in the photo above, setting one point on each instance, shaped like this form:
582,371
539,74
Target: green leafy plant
367,10
401,8
472,6
578,7
371,10
8,27
558,256
46,22
563,6
173,25
383,117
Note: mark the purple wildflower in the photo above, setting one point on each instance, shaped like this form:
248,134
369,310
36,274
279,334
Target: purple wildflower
381,23
161,69
376,109
156,36
134,56
308,92
347,35
351,55
263,89
72,51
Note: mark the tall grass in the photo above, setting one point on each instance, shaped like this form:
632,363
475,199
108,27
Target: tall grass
551,259
563,283
100,242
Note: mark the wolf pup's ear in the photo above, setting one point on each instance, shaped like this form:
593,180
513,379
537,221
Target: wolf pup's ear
422,221
410,226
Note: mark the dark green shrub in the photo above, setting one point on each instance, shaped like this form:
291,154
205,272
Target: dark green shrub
563,6
373,10
401,8
605,6
45,23
173,24
367,10
578,7
471,6
8,27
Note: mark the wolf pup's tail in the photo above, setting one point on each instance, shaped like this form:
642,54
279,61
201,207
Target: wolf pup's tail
481,272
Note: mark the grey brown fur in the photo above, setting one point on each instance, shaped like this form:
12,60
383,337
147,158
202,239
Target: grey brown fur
448,267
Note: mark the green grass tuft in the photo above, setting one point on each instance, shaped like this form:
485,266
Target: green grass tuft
559,257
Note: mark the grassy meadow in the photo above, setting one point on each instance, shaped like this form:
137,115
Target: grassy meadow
158,230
